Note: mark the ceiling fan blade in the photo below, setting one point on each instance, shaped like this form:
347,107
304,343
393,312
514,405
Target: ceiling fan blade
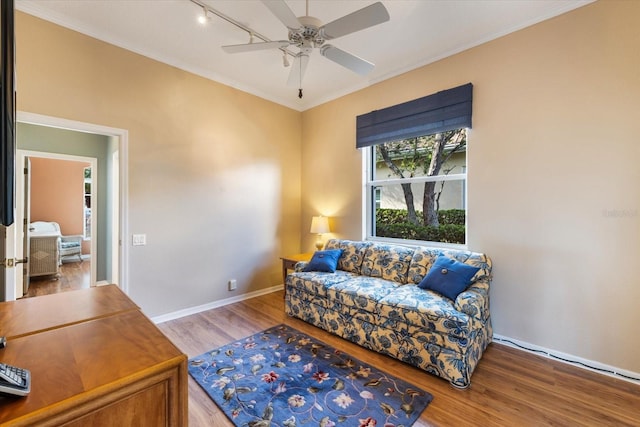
346,59
281,11
250,47
298,69
359,20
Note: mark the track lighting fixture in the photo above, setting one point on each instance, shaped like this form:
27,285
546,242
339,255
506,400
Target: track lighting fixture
204,18
208,12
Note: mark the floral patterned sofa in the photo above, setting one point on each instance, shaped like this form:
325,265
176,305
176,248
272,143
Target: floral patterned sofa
373,300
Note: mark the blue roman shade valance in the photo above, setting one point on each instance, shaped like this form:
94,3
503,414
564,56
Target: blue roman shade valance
446,110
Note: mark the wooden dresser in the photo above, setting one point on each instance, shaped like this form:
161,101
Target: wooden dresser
95,360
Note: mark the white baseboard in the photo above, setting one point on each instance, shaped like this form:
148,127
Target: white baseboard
601,368
214,304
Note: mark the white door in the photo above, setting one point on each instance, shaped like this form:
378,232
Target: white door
7,236
23,188
26,253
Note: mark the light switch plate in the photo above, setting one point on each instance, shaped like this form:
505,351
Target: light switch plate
139,239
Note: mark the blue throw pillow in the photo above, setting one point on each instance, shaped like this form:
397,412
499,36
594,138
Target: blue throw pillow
448,277
325,261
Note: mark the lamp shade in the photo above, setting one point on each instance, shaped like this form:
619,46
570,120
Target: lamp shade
319,225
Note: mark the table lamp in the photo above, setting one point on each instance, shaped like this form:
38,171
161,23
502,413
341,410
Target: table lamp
319,225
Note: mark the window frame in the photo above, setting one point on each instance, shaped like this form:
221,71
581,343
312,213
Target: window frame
369,199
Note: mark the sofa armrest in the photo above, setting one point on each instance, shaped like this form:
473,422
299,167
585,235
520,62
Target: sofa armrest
76,238
300,265
474,301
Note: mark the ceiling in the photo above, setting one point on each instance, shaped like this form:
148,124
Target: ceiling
419,32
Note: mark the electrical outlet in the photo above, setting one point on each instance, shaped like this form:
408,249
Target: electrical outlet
233,284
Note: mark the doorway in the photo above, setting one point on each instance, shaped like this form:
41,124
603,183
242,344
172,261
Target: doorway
114,201
57,191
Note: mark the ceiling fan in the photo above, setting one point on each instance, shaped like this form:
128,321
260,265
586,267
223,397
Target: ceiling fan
307,33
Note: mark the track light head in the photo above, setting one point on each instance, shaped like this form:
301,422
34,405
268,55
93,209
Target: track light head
204,18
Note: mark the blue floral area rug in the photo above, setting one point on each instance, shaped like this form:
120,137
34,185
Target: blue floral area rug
281,377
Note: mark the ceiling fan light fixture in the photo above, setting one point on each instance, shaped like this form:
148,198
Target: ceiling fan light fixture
307,33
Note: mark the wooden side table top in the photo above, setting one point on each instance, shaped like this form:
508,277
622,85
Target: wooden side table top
95,359
27,316
74,364
298,257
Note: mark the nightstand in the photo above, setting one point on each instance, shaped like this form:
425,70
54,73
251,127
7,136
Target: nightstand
289,262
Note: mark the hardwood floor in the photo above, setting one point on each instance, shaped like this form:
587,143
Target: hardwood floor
73,276
509,387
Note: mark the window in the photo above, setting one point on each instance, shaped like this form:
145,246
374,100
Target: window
416,175
417,188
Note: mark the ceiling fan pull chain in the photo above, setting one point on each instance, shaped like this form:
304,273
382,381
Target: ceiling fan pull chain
300,75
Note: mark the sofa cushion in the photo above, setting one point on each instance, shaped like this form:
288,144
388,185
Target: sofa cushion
325,261
448,277
361,292
428,310
389,262
68,245
317,283
352,254
424,257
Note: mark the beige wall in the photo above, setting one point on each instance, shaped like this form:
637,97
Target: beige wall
214,173
553,157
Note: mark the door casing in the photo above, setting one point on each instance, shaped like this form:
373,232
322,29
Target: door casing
121,136
22,210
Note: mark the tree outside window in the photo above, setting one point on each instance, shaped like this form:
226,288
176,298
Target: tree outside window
417,188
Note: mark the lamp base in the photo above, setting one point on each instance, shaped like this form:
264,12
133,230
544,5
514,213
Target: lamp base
319,243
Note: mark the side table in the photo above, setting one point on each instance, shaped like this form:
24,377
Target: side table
289,262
